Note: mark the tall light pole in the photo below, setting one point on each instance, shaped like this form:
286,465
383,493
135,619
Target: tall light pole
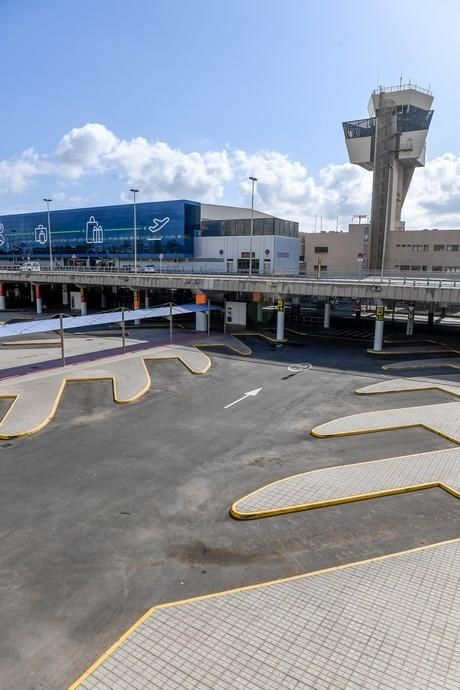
253,180
48,201
135,191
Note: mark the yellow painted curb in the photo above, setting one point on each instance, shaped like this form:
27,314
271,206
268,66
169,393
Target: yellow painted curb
411,390
228,347
386,353
82,379
260,334
238,515
236,590
357,432
437,365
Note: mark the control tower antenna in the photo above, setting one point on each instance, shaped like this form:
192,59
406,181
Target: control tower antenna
392,143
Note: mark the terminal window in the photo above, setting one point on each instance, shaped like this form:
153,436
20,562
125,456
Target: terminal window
438,247
321,250
452,247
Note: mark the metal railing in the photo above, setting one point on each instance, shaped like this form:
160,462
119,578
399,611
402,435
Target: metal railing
401,87
412,278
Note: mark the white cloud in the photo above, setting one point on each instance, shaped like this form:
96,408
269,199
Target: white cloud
16,174
83,149
434,197
285,186
164,172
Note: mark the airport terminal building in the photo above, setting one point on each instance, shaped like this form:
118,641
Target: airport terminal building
185,235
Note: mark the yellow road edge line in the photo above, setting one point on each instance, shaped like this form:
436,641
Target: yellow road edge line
416,425
238,515
245,588
229,347
70,379
270,338
334,467
360,391
412,352
391,367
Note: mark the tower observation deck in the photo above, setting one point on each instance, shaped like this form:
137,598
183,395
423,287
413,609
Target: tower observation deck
392,143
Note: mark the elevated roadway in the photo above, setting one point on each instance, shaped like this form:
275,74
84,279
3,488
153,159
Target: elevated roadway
390,288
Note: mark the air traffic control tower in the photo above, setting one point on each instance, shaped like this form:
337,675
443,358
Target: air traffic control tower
392,143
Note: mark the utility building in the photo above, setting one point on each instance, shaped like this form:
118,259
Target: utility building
392,143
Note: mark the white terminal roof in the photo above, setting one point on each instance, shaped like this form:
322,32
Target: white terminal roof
70,322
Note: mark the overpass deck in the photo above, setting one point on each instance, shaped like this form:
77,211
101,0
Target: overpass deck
390,288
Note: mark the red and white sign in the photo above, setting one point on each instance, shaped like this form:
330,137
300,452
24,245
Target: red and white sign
360,257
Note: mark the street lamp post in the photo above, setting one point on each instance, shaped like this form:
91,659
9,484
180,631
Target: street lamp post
135,191
48,201
253,180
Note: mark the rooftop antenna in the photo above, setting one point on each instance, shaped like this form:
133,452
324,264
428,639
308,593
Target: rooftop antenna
400,78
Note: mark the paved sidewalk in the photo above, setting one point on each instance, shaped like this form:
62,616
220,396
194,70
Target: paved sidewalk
452,362
442,419
37,395
347,483
384,624
88,348
413,350
399,385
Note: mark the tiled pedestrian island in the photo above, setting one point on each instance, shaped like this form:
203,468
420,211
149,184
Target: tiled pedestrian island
444,362
385,624
442,419
347,483
36,395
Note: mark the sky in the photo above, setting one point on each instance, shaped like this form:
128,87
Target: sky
187,98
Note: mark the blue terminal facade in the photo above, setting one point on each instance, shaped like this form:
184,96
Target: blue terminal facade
103,232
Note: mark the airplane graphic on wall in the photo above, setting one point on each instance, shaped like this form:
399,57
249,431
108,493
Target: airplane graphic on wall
156,227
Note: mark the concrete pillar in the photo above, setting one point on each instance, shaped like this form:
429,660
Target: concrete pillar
431,317
327,313
32,293
257,297
83,304
103,299
410,319
201,322
2,297
38,299
280,324
65,295
358,310
137,304
147,300
378,332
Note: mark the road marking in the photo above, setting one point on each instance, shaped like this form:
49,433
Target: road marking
295,368
252,393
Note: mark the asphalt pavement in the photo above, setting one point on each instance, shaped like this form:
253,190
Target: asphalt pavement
112,509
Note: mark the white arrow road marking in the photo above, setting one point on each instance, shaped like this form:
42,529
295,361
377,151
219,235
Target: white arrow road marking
246,395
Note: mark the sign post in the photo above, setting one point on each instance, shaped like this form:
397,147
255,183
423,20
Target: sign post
378,333
360,259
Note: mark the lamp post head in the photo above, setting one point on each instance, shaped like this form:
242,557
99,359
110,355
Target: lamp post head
48,201
134,190
253,179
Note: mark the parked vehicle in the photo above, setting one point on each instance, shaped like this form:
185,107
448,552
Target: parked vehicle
30,266
149,268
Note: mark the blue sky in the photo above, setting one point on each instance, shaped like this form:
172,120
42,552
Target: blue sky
188,97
